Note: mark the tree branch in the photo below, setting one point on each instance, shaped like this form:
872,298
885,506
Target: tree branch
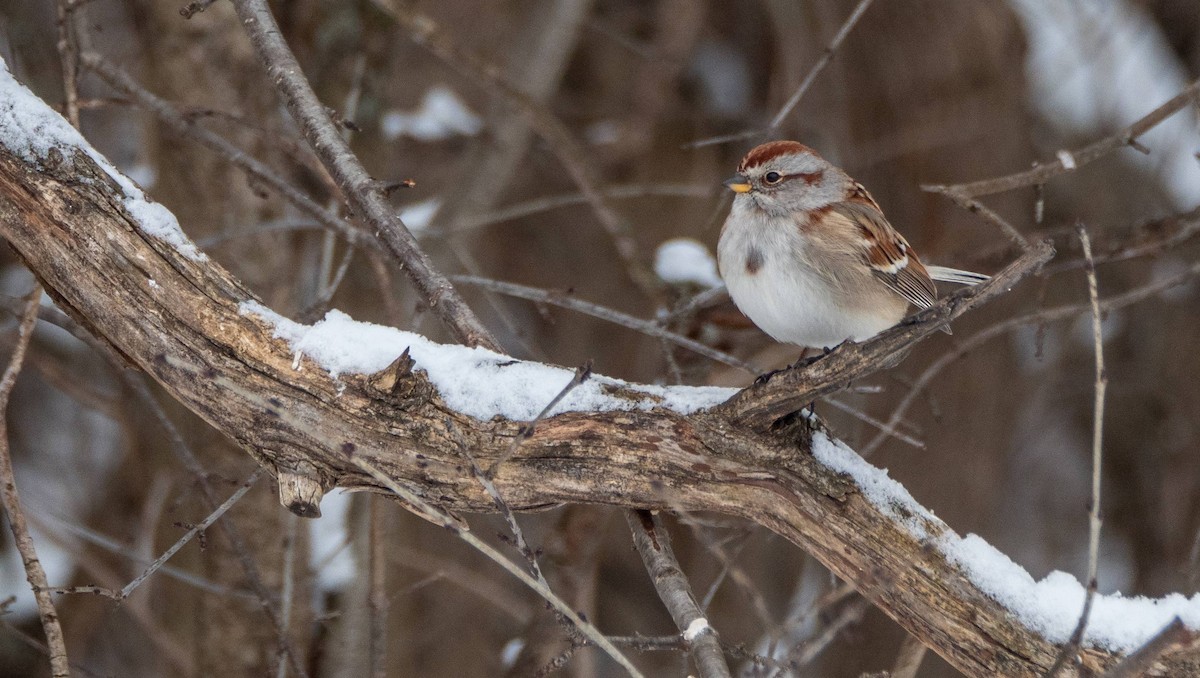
364,194
178,318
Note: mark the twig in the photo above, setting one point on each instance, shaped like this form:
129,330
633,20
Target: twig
60,667
1173,635
68,56
908,659
581,375
181,450
570,152
654,545
826,57
445,520
693,304
191,533
1068,161
788,391
885,428
112,546
1048,315
288,592
363,194
648,328
960,198
803,654
813,72
41,648
1069,650
551,202
377,598
187,127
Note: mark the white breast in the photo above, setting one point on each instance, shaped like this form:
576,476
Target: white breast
786,297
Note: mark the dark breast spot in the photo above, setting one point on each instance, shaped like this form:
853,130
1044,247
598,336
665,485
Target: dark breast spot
754,260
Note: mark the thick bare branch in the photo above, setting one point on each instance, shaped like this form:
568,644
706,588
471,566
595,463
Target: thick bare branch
68,222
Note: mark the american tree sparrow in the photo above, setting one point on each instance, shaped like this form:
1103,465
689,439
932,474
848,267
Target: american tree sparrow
807,254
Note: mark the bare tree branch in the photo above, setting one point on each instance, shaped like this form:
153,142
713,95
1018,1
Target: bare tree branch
67,221
1101,386
654,544
60,667
1069,161
364,194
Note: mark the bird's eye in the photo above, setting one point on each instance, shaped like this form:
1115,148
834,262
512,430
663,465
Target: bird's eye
772,178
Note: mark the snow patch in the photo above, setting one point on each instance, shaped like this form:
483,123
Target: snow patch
697,627
684,260
33,131
1097,66
475,381
330,557
1051,606
441,115
418,216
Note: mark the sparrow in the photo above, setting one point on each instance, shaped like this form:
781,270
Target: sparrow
807,254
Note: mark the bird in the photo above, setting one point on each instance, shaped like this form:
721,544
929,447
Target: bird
807,254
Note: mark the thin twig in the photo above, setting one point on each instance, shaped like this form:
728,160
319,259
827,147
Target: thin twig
187,127
60,667
654,544
363,193
377,598
191,533
551,202
562,300
288,592
826,57
908,659
1069,650
802,655
47,521
960,198
1069,161
184,453
573,155
1045,316
447,521
581,375
68,56
884,427
813,72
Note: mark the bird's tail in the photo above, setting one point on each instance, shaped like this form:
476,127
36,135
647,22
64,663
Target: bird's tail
954,275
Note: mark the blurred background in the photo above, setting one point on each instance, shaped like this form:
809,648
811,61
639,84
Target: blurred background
920,92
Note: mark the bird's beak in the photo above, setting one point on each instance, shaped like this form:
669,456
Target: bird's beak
738,184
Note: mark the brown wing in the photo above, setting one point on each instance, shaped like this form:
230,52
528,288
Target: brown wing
885,251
